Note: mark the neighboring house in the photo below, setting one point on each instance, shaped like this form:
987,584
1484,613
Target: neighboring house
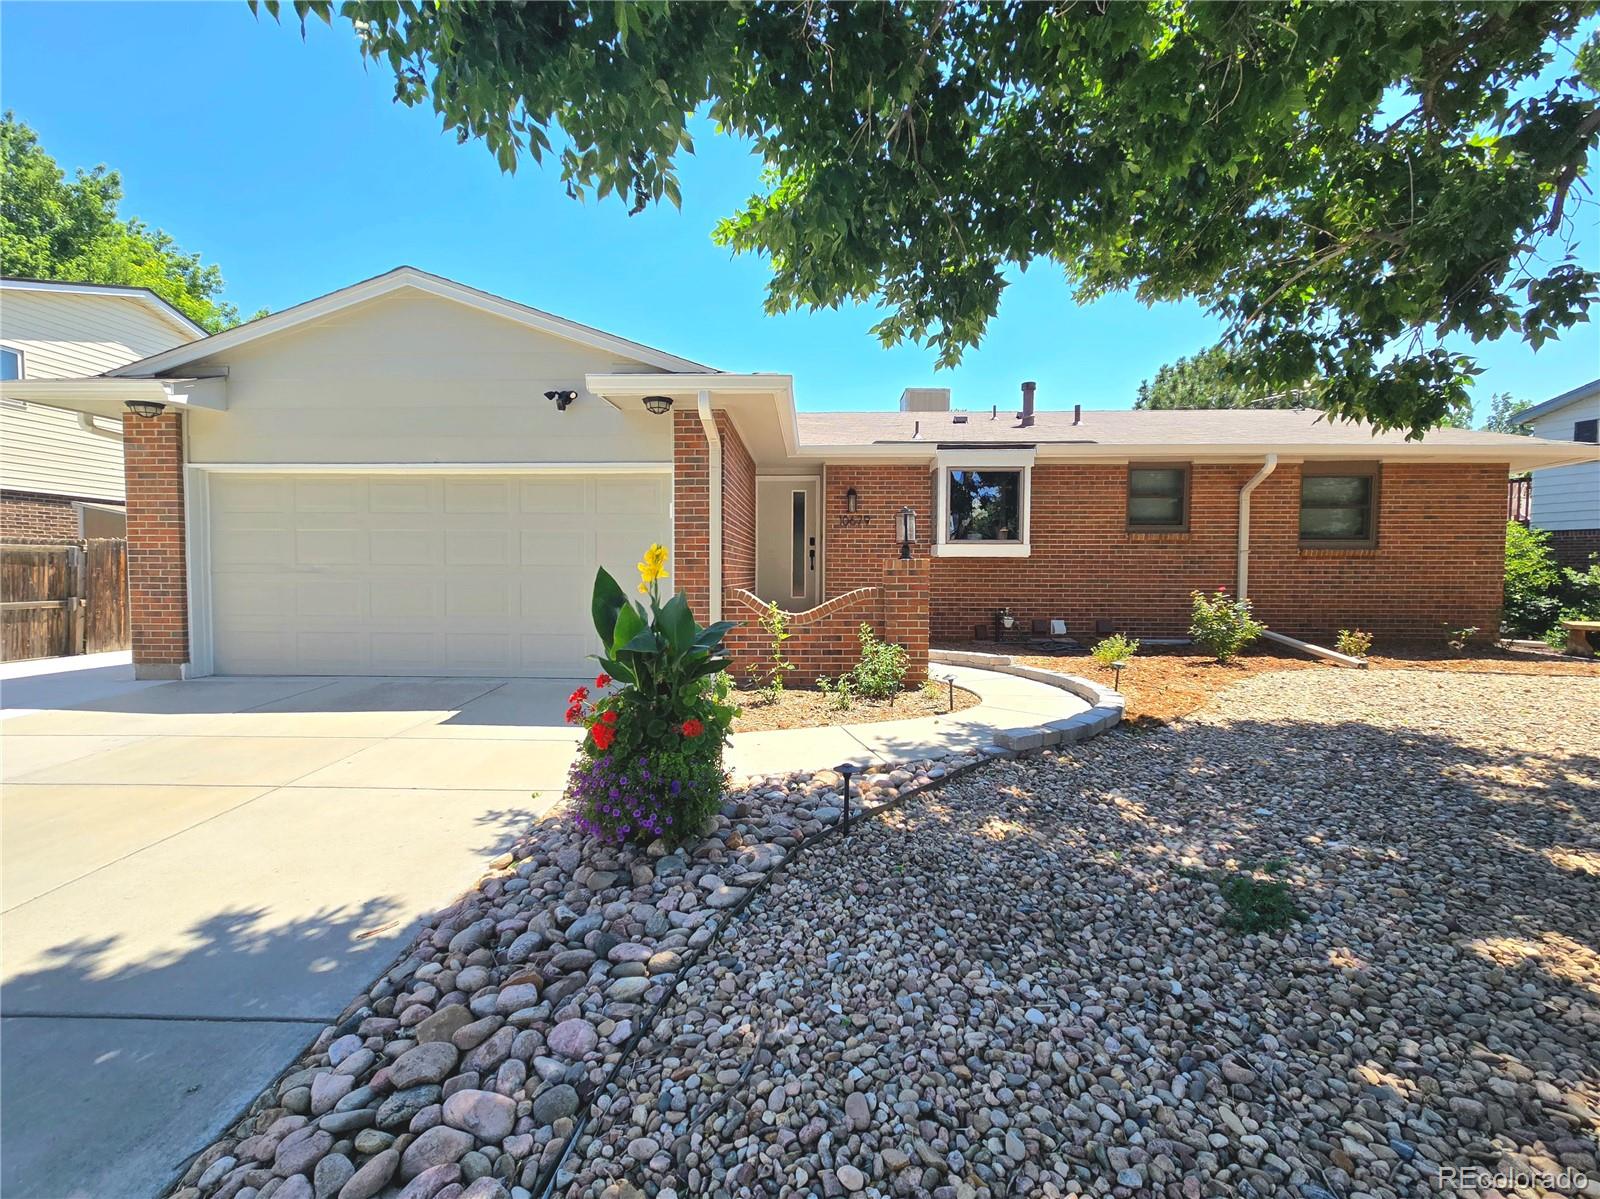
409,476
61,472
1566,499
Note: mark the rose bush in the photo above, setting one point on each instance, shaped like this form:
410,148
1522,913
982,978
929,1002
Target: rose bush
650,763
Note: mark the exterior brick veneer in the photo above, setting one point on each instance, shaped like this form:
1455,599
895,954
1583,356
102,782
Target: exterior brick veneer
1573,547
823,640
157,579
1439,557
691,510
29,515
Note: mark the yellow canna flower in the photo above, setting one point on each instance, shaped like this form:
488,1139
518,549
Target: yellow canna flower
653,568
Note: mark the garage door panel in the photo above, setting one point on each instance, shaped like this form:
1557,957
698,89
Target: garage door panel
329,495
391,495
428,574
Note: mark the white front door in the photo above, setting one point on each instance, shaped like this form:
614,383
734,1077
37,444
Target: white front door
788,549
418,573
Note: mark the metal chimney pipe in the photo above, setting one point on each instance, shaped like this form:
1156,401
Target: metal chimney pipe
1077,414
1027,403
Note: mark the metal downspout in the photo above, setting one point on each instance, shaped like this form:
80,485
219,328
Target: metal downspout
1243,586
708,422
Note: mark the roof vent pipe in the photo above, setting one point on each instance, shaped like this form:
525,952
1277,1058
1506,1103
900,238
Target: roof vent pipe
1026,415
1077,414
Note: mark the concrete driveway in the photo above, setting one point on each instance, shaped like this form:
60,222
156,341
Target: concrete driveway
195,877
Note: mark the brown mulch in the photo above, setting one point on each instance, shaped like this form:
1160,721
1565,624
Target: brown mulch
1163,683
795,709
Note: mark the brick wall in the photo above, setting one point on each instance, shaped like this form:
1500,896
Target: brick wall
157,582
905,611
30,516
1573,547
691,465
858,544
1439,558
822,641
738,509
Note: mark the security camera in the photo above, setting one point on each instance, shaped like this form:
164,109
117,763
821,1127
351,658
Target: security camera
562,398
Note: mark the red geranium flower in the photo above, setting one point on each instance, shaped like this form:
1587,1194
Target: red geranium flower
578,696
573,713
692,727
609,716
603,735
602,679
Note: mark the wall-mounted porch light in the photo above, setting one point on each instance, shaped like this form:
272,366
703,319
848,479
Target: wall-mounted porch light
906,524
852,501
561,398
657,405
148,409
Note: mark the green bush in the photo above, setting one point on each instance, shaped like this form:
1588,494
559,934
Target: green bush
839,691
1258,905
1115,648
1355,642
881,671
1533,580
1222,624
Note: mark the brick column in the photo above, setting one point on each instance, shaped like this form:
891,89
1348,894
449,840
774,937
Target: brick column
905,611
691,512
158,596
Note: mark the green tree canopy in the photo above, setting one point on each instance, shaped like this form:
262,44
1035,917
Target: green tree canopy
53,228
1503,414
1345,185
1215,378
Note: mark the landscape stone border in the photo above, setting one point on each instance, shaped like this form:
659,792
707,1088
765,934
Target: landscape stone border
1106,706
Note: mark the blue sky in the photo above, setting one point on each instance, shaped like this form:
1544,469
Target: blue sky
287,162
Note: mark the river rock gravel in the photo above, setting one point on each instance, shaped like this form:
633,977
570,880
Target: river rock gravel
462,1072
1025,983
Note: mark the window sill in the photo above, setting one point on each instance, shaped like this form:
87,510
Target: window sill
1157,534
980,549
1346,549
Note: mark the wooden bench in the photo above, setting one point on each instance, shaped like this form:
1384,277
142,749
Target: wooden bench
1578,634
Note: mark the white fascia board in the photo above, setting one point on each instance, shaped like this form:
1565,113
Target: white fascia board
433,468
101,396
404,278
1557,403
957,457
686,387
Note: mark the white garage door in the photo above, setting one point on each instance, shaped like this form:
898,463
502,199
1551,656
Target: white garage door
419,573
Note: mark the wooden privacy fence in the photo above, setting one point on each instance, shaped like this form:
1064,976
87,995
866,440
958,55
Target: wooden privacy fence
60,599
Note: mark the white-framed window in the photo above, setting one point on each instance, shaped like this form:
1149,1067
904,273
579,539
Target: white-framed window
10,363
983,500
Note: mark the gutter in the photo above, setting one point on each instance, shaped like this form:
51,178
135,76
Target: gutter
86,423
1242,588
708,422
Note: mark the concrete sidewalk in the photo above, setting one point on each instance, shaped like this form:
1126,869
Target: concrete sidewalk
1008,702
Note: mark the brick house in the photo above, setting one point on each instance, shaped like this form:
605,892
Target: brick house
309,494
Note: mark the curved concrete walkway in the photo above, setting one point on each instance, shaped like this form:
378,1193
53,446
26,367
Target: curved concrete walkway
1010,705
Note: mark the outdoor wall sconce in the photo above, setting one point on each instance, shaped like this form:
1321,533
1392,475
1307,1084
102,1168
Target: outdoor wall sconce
561,398
852,501
657,405
907,526
148,409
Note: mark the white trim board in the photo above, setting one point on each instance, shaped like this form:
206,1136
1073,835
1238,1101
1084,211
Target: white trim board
436,468
402,279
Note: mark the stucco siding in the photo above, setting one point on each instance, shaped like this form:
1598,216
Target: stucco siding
413,378
1567,497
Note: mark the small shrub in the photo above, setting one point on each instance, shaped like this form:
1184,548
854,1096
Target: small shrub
839,691
881,671
1459,639
1355,642
1221,624
775,623
1115,648
1258,905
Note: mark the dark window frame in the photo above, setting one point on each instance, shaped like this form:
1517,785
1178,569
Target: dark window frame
1373,473
1021,512
1132,526
1591,427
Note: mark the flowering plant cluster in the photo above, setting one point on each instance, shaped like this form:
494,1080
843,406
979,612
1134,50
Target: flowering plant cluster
650,763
